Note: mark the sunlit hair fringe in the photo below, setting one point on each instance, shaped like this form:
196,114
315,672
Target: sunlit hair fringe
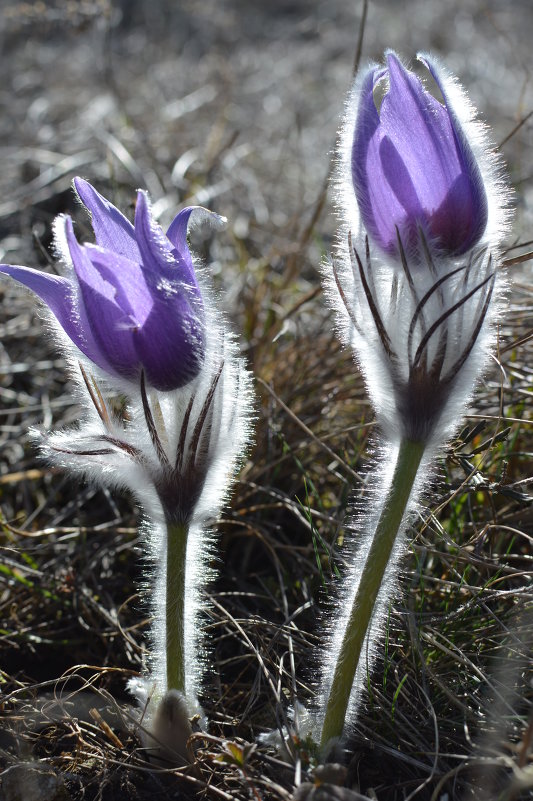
177,453
421,332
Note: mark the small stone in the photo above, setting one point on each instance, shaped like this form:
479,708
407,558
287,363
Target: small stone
31,781
171,728
331,773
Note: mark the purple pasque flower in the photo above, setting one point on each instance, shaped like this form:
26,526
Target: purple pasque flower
417,287
132,302
412,166
424,207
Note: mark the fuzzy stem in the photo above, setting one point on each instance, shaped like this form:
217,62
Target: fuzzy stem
396,500
177,534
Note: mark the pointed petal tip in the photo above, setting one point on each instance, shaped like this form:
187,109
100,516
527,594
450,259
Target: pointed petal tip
425,58
112,229
143,199
219,219
54,290
80,184
397,70
200,215
143,211
10,269
86,192
68,232
146,227
392,55
194,216
68,225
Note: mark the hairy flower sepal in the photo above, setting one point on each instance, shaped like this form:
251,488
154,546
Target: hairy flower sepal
176,451
131,301
425,319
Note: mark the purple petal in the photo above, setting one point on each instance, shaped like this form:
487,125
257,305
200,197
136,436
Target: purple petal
113,331
176,320
379,207
177,235
421,131
177,230
412,169
58,294
171,344
125,279
164,269
111,275
112,230
83,267
54,290
156,251
417,140
472,179
111,325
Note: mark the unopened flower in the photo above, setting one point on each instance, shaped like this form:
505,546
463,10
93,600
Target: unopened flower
131,301
413,168
416,286
423,213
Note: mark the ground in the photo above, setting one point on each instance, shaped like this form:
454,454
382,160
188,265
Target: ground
235,105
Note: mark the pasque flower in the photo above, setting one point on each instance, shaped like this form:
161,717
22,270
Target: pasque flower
146,332
423,210
131,301
416,287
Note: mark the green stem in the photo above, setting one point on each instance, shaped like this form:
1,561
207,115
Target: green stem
408,461
175,603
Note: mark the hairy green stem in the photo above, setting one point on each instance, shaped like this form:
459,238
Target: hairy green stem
177,534
395,503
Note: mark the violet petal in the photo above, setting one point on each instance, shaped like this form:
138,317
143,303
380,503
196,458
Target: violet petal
178,354
176,322
376,203
111,228
416,131
177,236
111,325
471,171
163,272
58,294
125,279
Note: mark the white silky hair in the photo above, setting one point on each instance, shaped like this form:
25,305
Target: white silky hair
228,439
357,542
397,305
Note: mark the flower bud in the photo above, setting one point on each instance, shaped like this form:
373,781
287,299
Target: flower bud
423,210
412,166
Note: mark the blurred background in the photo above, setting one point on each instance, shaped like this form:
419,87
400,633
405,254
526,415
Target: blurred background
229,103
